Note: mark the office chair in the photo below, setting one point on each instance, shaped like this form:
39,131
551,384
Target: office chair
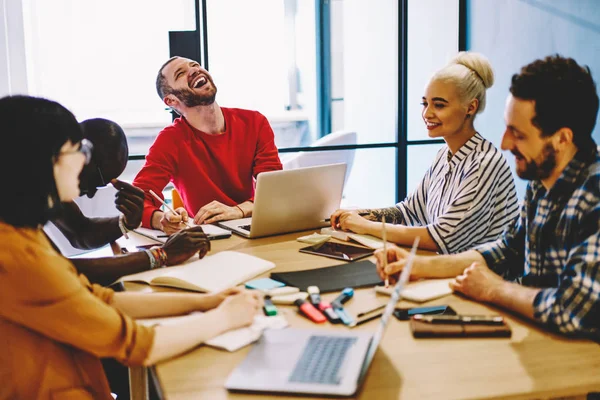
313,158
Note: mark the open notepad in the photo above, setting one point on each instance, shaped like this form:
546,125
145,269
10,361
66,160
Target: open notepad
421,291
369,241
210,274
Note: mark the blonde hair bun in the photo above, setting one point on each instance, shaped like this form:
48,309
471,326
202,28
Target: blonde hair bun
477,63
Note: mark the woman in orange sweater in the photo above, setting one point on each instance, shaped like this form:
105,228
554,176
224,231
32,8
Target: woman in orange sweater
54,324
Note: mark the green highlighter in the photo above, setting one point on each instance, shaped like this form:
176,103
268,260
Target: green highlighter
269,308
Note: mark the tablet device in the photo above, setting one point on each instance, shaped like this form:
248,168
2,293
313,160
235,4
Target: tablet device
338,250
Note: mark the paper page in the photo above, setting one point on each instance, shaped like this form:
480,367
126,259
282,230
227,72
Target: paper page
220,271
238,338
345,236
145,276
367,240
212,273
421,291
232,340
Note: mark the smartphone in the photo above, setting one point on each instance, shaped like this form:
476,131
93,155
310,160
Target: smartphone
338,251
404,314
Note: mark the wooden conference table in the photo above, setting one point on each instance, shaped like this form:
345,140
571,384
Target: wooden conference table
531,364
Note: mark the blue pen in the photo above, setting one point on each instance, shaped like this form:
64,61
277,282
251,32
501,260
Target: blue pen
346,295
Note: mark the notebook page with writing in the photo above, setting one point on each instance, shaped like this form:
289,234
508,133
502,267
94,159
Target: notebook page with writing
210,274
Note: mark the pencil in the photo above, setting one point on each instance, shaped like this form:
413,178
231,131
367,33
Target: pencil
385,256
168,207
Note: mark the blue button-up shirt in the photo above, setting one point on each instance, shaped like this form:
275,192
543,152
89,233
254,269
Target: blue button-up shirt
555,245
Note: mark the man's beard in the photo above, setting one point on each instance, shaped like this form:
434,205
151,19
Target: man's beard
191,99
534,171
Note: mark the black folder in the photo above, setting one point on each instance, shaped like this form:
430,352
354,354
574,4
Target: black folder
332,279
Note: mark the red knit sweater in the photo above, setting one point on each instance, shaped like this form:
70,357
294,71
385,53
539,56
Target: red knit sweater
207,167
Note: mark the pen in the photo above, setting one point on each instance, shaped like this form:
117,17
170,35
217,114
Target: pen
363,313
149,236
362,214
460,319
364,319
168,207
385,256
346,295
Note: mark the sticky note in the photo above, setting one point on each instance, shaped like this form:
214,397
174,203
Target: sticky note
264,284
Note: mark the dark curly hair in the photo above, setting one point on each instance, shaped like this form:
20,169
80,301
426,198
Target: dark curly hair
32,134
565,96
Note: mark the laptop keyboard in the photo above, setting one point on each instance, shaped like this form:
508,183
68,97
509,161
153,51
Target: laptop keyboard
246,227
321,360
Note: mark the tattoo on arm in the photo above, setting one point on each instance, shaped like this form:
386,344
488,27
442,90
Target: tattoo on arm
392,215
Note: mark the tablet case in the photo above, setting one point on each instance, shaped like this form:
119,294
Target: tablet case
332,279
422,329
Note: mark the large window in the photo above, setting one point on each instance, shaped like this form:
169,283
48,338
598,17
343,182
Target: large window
100,58
432,40
311,67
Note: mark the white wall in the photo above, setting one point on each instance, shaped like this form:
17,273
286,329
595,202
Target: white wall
513,33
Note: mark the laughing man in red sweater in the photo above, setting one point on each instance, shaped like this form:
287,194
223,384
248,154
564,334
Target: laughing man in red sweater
211,154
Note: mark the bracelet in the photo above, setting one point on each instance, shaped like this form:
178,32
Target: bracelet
153,262
122,226
160,255
243,213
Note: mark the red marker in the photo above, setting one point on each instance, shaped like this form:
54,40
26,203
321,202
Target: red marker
309,311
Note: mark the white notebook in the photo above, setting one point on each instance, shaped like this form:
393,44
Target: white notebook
210,274
421,291
369,241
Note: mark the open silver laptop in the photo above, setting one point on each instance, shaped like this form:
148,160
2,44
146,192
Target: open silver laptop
292,200
313,362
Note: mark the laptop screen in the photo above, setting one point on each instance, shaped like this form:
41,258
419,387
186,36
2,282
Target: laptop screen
389,309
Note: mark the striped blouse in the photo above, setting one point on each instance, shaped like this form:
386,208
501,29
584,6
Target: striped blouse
464,200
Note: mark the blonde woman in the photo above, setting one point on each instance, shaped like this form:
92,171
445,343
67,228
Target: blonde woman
467,197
